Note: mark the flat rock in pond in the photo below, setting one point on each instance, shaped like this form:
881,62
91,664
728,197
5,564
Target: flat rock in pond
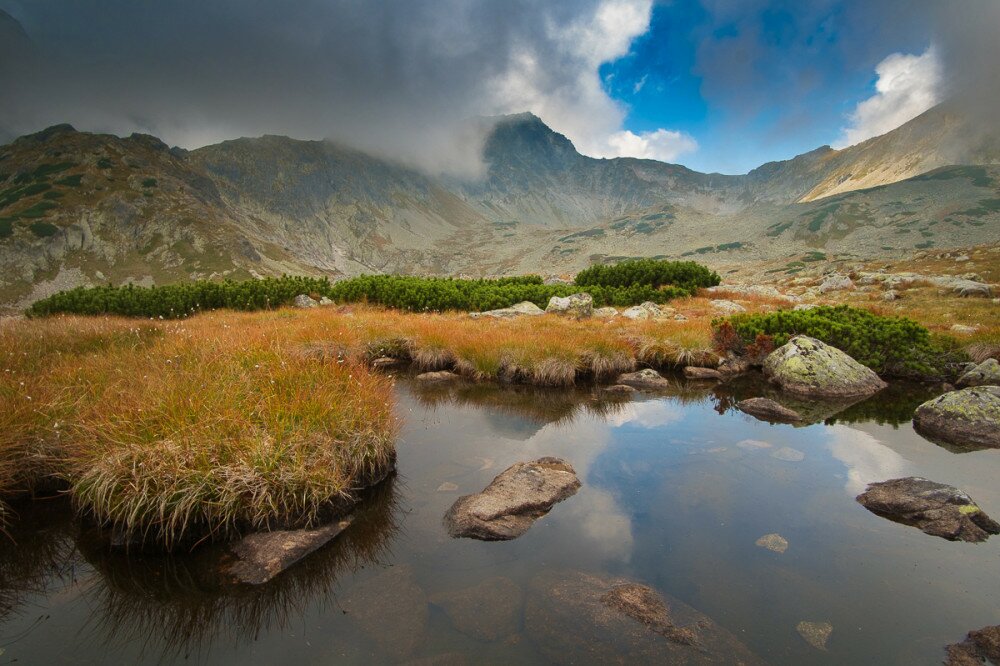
578,618
391,610
773,542
807,367
979,647
644,379
511,504
711,374
264,555
815,633
766,409
488,611
986,373
967,417
619,389
439,376
935,508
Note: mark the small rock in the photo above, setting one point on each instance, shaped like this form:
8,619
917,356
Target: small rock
439,376
725,307
836,282
326,301
576,305
963,329
980,646
605,313
487,612
447,487
524,308
264,555
644,379
385,362
304,301
619,389
511,504
805,306
986,373
692,372
934,508
647,310
773,542
970,416
815,633
766,409
891,295
805,366
788,454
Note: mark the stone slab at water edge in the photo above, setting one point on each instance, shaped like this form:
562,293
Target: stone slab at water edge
511,504
644,379
807,367
935,508
980,646
970,417
766,409
262,556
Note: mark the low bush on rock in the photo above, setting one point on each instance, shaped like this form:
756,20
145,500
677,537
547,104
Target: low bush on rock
894,346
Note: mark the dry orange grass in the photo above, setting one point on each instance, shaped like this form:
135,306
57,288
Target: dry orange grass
198,427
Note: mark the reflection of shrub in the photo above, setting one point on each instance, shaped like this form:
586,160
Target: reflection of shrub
887,345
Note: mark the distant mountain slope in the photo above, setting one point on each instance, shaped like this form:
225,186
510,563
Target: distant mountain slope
80,208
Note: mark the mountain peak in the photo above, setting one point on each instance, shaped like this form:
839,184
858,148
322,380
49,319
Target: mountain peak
524,139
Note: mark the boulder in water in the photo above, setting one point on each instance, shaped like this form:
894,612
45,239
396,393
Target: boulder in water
979,647
766,409
644,379
263,555
934,508
986,373
807,367
969,417
511,504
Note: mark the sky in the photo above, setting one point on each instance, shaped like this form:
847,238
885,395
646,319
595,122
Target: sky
716,85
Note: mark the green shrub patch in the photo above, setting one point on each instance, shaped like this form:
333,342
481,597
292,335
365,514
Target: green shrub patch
894,346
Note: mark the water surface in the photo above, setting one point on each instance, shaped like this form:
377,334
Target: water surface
676,490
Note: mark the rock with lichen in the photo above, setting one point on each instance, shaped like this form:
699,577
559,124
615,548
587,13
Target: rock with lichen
807,367
969,417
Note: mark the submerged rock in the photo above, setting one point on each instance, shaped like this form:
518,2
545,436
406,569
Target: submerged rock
935,508
439,376
980,646
815,633
644,379
619,389
391,610
576,305
511,504
487,612
805,366
766,409
692,372
262,556
967,417
986,373
773,542
576,617
518,310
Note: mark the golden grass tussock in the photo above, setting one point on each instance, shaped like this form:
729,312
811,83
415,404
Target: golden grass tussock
194,428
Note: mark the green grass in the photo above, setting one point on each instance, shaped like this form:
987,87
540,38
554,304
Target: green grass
38,210
70,181
53,194
149,182
104,163
6,227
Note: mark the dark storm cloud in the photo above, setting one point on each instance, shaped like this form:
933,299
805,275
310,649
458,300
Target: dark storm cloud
395,77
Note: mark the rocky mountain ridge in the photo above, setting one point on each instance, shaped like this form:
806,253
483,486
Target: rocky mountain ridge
82,208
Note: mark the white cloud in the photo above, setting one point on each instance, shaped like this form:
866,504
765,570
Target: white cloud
907,86
566,92
663,145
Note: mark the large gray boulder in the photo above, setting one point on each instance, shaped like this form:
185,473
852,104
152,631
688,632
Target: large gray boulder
935,508
836,282
807,367
578,618
517,310
986,373
511,504
575,305
969,417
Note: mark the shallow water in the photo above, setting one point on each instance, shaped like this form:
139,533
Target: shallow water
676,490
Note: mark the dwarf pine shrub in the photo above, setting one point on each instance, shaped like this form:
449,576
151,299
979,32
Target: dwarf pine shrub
654,273
895,346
